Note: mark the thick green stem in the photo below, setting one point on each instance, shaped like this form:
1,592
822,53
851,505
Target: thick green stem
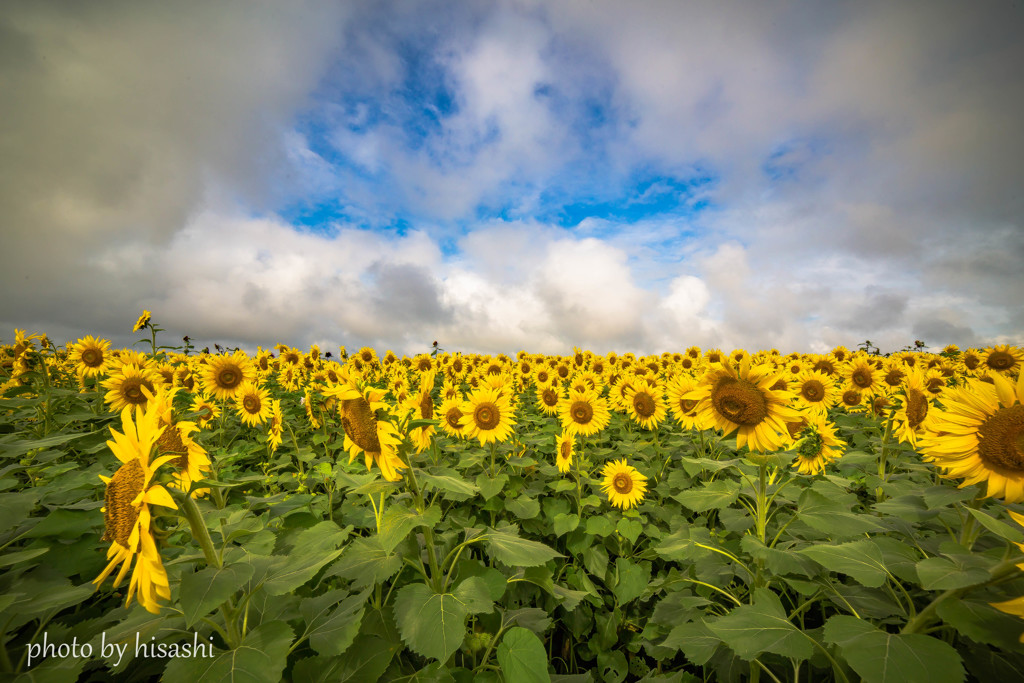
428,534
879,493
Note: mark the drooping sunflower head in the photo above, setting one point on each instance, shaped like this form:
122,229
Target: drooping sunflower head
623,484
224,375
143,321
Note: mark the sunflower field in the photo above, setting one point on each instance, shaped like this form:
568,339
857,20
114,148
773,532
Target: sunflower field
698,515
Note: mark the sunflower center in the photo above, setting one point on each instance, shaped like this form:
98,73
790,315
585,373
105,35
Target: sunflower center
360,424
934,384
131,390
851,397
229,378
93,358
1001,440
861,377
487,416
644,404
622,483
739,401
687,404
565,450
825,366
581,412
813,390
971,361
550,397
1000,360
426,407
119,514
453,416
894,377
170,443
917,407
251,404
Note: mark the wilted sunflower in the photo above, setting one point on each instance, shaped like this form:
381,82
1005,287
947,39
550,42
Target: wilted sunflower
815,392
224,375
125,387
563,451
624,485
646,405
90,356
978,435
742,401
126,514
253,404
817,445
1004,359
143,321
488,416
583,413
377,439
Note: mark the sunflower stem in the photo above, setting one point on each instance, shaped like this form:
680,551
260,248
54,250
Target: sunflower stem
879,493
199,531
428,533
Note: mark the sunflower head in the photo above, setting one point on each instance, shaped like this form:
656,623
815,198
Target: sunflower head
623,484
224,375
563,452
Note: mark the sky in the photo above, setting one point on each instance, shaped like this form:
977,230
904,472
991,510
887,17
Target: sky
496,176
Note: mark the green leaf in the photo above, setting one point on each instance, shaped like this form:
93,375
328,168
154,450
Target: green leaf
564,523
599,526
982,623
825,514
506,546
366,660
633,579
366,563
475,594
21,556
431,624
490,487
695,640
204,590
712,496
455,488
523,507
331,631
260,658
397,521
860,559
880,657
763,627
952,571
522,658
1001,529
630,529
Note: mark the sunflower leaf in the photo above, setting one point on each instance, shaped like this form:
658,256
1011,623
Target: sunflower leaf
204,590
506,545
880,657
432,624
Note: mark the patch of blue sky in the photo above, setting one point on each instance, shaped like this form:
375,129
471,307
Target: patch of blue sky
642,198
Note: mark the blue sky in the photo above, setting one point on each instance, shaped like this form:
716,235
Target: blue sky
499,176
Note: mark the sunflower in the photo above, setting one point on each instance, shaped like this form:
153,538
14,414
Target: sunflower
90,356
422,407
971,359
125,388
377,439
143,321
815,392
913,413
276,425
684,410
451,416
563,451
206,408
253,404
742,401
862,375
646,405
548,397
624,485
851,399
488,416
224,375
583,413
126,515
1004,359
190,458
817,445
978,435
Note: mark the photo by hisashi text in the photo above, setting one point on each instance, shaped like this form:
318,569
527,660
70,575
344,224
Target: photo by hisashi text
114,651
